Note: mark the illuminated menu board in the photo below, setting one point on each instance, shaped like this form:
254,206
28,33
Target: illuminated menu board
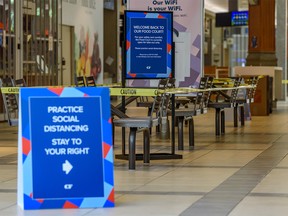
239,18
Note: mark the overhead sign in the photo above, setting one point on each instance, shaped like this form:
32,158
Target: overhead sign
148,44
65,157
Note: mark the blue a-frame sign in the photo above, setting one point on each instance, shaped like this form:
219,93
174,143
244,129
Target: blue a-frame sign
65,154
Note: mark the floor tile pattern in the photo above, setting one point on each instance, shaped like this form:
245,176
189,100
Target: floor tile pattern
243,172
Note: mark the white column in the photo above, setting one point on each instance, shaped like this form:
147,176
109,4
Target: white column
19,39
281,40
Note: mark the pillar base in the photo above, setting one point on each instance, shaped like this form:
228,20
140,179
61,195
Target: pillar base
261,59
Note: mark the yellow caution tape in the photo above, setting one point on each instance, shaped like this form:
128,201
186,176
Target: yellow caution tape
139,91
133,92
10,90
113,91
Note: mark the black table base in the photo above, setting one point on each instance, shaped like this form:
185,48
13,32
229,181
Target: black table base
153,156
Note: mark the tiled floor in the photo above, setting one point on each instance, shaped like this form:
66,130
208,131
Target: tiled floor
244,172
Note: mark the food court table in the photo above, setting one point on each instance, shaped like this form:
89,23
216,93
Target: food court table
132,94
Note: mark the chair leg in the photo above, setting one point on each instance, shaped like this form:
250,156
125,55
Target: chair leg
217,121
146,146
148,114
132,148
123,141
235,109
191,133
180,133
164,128
113,133
242,116
222,121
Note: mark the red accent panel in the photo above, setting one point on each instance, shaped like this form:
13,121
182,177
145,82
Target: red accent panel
57,91
68,204
106,149
111,196
128,44
132,74
26,146
169,47
40,200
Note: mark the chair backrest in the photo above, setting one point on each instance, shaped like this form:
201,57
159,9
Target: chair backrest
10,103
80,81
207,94
162,84
142,99
90,81
19,83
161,101
167,101
7,82
250,93
199,100
254,84
210,82
234,91
171,83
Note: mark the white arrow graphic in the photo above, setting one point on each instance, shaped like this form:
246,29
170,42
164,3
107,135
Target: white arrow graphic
67,167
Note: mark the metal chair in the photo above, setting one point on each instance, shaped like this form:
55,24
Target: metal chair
144,123
195,107
143,101
90,81
219,106
247,99
10,102
80,81
206,95
7,82
19,82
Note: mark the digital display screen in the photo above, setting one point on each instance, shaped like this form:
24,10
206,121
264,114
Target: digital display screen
239,18
234,18
223,19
